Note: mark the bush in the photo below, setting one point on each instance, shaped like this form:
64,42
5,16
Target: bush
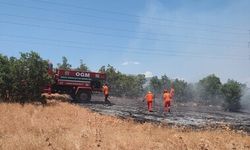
182,91
232,92
156,85
4,76
210,89
122,84
22,80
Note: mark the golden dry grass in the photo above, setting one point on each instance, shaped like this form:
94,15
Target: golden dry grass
57,97
67,126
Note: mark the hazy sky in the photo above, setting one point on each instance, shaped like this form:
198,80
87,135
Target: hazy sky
187,39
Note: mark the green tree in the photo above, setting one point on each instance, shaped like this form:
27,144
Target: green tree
156,85
82,67
140,80
114,80
191,92
132,86
181,90
10,81
165,82
65,64
25,78
4,76
122,84
102,69
210,88
232,92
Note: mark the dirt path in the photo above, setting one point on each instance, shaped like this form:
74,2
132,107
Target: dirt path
185,115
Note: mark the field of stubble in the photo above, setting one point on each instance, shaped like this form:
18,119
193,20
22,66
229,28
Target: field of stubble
68,126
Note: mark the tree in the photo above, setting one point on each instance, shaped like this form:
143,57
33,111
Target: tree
114,80
102,69
122,84
181,90
209,88
140,80
132,86
4,76
65,64
25,78
165,82
232,92
82,67
191,92
156,85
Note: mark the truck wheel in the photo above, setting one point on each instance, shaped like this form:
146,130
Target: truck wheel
83,96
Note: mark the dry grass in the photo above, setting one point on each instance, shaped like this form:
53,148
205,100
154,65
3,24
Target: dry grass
57,97
67,126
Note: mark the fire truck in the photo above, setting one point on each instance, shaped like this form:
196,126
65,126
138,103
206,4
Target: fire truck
79,85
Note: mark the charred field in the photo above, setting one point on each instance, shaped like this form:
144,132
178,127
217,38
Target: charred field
184,115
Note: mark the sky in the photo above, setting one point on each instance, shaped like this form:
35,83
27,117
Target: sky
185,39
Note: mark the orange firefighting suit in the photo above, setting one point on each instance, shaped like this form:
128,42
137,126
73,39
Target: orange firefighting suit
167,101
106,92
149,97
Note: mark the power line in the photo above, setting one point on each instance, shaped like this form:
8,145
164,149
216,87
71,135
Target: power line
175,54
121,20
114,29
111,35
132,15
249,45
102,45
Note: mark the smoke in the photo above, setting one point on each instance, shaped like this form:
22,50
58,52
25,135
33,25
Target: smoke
245,100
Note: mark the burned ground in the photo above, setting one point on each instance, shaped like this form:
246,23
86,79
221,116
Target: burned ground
187,115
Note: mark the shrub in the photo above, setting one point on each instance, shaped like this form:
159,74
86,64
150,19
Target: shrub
209,89
232,92
22,80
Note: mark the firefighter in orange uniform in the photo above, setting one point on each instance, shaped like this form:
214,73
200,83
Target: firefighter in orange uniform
149,97
166,101
105,89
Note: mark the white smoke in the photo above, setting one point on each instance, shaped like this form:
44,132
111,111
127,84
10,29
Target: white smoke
130,63
245,100
148,74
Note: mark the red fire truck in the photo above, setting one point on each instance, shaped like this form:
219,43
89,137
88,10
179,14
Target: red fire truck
80,85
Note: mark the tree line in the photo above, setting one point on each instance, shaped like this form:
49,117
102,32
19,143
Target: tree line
22,80
208,90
